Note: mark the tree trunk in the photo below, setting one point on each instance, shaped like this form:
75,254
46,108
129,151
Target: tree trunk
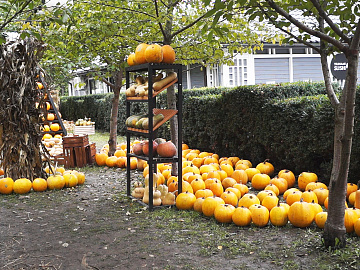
334,231
114,112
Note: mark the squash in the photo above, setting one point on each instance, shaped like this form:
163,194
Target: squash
223,213
171,76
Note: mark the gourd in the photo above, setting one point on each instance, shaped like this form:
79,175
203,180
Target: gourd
138,191
169,199
156,196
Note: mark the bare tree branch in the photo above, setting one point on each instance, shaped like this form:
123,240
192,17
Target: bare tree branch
342,47
355,42
157,15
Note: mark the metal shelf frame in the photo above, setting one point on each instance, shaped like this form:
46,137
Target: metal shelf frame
150,69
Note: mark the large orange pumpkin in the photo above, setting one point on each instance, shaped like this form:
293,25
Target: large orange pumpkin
153,54
111,161
6,185
100,159
22,186
140,53
168,54
55,127
50,117
55,182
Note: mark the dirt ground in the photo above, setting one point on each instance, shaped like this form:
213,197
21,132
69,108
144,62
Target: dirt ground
95,226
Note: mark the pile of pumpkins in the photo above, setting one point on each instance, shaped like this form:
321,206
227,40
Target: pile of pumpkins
60,179
151,53
53,144
161,148
231,189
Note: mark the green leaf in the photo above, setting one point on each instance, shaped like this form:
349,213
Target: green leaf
210,13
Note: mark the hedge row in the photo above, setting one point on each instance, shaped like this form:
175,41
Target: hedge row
290,124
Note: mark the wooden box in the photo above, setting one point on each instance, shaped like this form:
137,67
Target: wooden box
90,153
75,141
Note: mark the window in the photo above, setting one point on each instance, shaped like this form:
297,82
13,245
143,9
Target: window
238,73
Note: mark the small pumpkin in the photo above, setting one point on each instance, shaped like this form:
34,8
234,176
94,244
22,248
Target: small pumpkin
166,149
209,205
265,167
306,178
248,199
140,53
278,215
204,193
260,215
260,181
198,204
229,197
168,55
320,219
6,185
270,201
288,176
241,216
223,213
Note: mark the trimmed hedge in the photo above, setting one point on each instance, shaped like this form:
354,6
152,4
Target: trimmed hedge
290,124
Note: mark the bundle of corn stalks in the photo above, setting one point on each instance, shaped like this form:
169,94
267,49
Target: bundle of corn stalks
20,137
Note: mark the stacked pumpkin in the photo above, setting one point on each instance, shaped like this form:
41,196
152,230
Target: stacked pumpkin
232,190
53,144
151,53
60,179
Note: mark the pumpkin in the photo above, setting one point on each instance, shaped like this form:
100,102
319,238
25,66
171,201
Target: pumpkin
279,215
280,183
131,59
309,196
137,148
71,180
22,186
198,204
260,215
111,161
46,128
217,188
39,184
234,190
351,198
50,117
251,172
357,227
54,127
260,181
55,182
357,199
241,166
214,174
315,185
120,153
80,176
209,205
248,199
153,53
120,162
316,208
263,193
198,161
140,53
145,148
197,184
350,219
242,188
270,201
140,165
287,192
241,216
168,54
301,214
227,168
204,193
100,159
138,192
273,188
288,176
6,185
133,163
321,195
293,197
223,213
166,149
350,188
240,176
47,136
206,168
305,178
229,197
265,168
320,219
244,161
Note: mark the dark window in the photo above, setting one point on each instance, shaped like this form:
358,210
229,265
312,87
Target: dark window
282,51
298,51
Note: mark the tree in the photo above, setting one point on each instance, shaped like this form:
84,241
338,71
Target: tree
109,30
336,25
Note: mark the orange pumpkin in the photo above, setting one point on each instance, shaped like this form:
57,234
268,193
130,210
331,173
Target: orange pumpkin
55,127
55,182
185,200
6,185
100,159
140,53
50,117
153,54
111,161
209,205
168,54
241,216
223,213
131,59
22,186
39,184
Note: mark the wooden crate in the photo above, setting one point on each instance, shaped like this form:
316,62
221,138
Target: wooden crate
79,130
75,141
90,153
60,159
75,157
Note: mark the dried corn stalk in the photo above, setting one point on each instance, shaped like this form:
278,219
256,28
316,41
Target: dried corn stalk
20,137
